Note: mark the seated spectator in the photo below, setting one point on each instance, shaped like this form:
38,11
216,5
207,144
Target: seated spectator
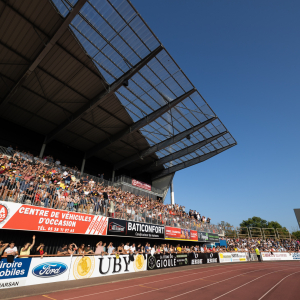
25,250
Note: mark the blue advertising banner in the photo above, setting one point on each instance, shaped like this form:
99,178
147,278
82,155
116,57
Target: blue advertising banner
17,269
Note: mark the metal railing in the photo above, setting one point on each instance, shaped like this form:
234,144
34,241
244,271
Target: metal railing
256,233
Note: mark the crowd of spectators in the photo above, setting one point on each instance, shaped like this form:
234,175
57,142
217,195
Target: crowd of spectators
44,182
264,245
103,248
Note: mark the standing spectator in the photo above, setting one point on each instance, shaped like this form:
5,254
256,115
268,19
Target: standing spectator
126,248
11,250
27,248
99,248
81,249
63,250
2,247
112,208
40,249
72,248
111,248
258,254
88,250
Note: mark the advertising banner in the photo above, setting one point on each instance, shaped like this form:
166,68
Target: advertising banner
203,258
295,256
28,217
48,269
173,233
97,266
141,185
134,229
267,256
161,261
233,257
14,274
182,259
206,237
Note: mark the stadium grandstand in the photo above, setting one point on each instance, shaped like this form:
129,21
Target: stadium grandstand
96,119
89,83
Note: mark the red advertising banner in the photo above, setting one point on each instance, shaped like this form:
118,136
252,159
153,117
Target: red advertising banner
141,185
28,217
173,233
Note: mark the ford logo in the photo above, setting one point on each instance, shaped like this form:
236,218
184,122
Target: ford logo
49,269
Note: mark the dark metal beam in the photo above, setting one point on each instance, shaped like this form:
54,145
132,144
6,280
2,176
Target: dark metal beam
168,142
177,154
59,32
189,163
103,95
139,124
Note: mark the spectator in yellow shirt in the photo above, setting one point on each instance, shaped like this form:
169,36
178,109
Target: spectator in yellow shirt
178,248
27,247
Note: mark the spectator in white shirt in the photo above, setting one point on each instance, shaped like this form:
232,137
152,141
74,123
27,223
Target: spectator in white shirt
126,248
11,250
132,248
110,249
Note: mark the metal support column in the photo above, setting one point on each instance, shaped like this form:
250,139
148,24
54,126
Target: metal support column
113,176
42,150
172,193
82,166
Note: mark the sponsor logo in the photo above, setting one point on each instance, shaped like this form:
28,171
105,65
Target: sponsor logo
9,284
18,268
196,261
151,262
3,212
296,255
222,255
83,267
139,263
49,269
114,227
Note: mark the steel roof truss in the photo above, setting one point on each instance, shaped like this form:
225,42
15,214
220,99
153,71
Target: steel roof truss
174,139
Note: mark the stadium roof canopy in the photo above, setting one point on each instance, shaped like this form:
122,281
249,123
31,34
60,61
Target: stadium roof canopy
92,75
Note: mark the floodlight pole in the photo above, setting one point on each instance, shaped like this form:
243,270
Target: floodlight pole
172,193
113,176
42,150
82,167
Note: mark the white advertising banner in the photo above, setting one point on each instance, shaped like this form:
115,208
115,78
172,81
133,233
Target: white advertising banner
97,266
267,256
48,269
233,257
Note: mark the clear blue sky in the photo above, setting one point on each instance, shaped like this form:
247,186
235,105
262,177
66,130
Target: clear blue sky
244,58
